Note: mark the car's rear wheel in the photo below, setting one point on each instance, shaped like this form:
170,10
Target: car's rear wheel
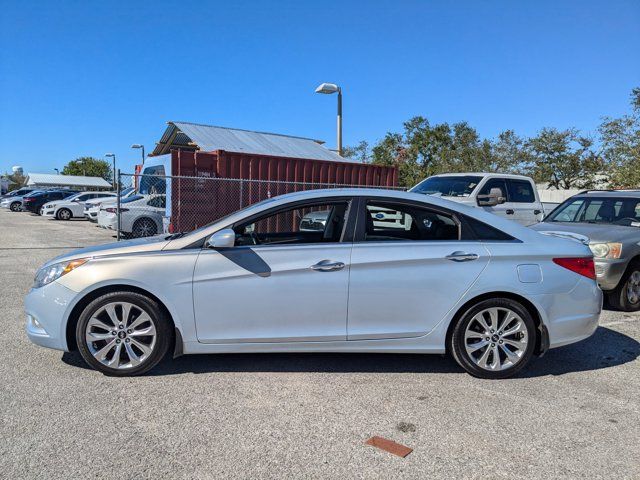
494,339
15,207
626,296
123,334
64,214
144,227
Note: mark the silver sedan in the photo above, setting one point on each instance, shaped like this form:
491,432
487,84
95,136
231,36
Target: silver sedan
425,276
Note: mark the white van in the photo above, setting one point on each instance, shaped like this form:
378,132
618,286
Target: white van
510,196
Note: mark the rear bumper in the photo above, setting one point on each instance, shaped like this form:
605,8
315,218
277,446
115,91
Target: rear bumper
573,316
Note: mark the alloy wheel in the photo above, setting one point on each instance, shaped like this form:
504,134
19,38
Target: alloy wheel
633,288
496,339
121,335
64,214
145,228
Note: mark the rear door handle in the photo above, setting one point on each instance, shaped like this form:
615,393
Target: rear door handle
509,211
537,212
462,256
327,266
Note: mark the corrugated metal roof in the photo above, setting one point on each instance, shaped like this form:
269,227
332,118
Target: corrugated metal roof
209,138
52,180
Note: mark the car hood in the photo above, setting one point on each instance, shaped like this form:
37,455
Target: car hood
138,245
596,233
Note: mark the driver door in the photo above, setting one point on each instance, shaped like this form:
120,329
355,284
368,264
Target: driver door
285,280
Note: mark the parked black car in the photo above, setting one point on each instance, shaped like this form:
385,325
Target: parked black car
34,202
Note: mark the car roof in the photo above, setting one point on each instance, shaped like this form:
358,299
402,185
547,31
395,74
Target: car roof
484,174
508,226
609,193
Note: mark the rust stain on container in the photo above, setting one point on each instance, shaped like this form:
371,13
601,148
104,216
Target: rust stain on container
389,446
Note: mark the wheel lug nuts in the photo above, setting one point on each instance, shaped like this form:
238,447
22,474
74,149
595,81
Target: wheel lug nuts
127,340
118,341
120,327
500,342
493,344
114,332
492,330
129,330
487,339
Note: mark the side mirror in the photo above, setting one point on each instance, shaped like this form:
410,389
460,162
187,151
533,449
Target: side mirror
494,198
223,239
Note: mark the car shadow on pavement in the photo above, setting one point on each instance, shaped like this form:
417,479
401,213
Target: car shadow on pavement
605,348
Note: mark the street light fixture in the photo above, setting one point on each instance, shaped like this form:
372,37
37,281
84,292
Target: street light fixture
139,145
113,155
328,89
57,171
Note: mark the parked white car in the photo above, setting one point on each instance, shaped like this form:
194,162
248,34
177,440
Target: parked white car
14,202
92,207
510,196
141,215
72,207
488,291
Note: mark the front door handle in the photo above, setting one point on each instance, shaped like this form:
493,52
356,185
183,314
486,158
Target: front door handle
327,266
509,211
537,212
462,257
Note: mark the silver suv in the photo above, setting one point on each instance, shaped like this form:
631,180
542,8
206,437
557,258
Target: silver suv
609,221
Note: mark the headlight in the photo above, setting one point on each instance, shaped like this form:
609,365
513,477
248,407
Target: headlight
606,250
53,272
53,205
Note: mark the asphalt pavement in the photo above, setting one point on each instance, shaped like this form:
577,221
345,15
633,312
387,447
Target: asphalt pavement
573,413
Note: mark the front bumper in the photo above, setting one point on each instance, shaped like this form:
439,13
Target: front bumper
47,309
48,212
609,272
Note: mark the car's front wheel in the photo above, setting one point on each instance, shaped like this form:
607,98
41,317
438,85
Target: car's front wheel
123,334
626,296
15,207
494,339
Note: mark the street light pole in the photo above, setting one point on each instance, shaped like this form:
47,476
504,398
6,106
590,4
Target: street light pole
139,145
339,139
328,89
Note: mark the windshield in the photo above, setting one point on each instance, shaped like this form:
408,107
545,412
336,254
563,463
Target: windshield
614,211
454,186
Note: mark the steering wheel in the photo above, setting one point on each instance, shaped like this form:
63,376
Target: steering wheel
254,238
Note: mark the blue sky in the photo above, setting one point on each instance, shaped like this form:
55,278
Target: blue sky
89,77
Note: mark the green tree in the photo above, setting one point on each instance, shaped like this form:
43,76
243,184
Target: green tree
361,152
509,155
90,167
620,141
564,159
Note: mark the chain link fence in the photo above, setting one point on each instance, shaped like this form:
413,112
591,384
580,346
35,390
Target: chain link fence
153,204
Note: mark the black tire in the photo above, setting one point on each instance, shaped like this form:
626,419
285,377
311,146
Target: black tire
458,349
618,298
64,214
163,328
15,207
144,227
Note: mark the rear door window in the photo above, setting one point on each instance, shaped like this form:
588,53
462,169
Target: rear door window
520,191
399,222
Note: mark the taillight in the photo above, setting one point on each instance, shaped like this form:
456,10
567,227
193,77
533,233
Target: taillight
581,265
115,210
